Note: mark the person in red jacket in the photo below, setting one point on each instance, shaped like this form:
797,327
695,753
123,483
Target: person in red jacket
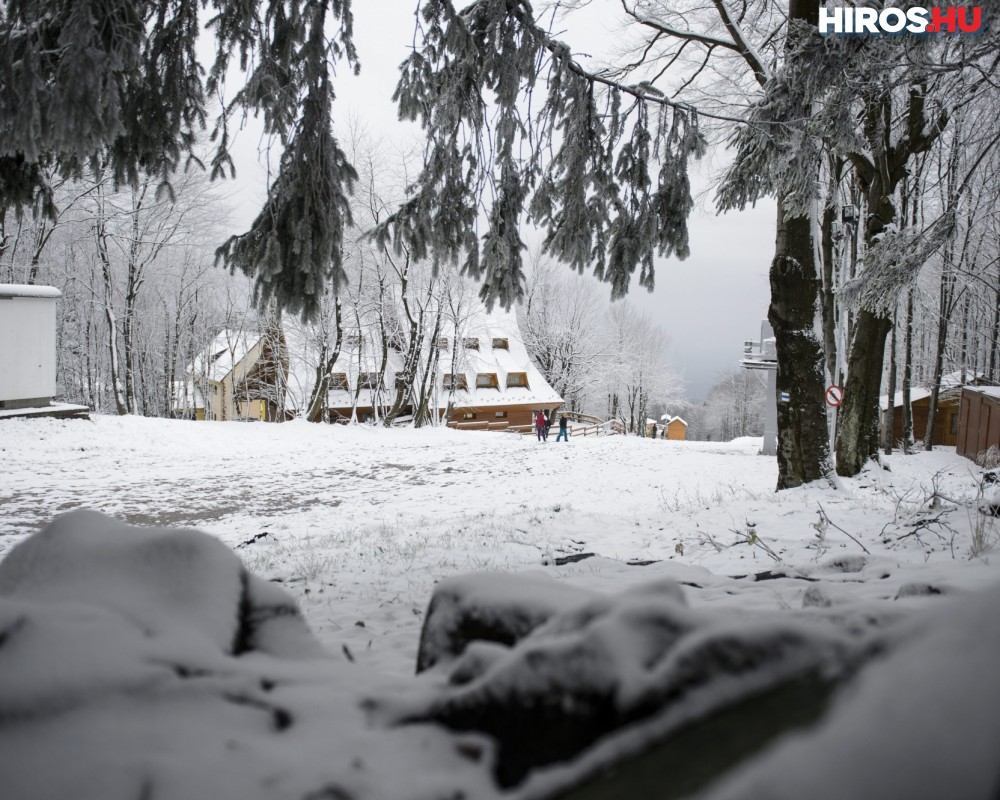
541,426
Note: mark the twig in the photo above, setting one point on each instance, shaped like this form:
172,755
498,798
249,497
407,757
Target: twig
835,525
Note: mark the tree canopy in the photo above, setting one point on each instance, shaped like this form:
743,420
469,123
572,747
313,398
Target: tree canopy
517,130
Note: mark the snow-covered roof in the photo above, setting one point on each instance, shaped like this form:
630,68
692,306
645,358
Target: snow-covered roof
484,328
953,380
224,352
989,391
26,290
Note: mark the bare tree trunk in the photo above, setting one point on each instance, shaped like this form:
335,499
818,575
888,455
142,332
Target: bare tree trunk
994,343
827,288
889,418
101,236
321,386
908,374
803,439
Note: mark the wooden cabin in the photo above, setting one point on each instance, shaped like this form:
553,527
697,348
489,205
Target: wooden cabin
235,378
676,429
978,421
946,420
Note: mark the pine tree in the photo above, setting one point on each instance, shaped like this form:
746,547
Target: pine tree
117,84
577,161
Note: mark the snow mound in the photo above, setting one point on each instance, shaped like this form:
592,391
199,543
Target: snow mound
147,663
489,607
638,658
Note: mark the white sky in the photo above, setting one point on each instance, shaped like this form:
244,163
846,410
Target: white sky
707,304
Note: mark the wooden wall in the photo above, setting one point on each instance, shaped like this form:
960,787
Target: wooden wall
677,430
945,431
979,423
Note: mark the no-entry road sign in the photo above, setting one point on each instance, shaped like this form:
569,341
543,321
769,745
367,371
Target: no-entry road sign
834,395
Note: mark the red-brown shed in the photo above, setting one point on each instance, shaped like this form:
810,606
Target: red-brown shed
979,421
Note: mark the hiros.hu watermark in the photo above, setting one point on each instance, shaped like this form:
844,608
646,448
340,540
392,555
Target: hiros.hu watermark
855,20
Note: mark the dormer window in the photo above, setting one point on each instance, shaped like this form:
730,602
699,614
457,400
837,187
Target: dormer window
517,379
456,381
486,380
338,380
470,343
500,344
442,343
368,380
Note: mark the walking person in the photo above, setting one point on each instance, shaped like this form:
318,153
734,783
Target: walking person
563,429
540,427
654,430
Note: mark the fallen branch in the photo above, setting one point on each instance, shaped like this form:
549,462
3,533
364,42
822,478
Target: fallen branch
831,523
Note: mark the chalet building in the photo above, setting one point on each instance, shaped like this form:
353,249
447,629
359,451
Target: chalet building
978,421
946,420
483,378
235,378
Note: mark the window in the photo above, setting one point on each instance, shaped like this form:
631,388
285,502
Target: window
354,340
954,423
338,380
468,415
500,415
368,380
471,343
517,379
457,381
486,380
402,378
500,344
442,343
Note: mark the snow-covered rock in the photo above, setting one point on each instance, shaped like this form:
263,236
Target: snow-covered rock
640,658
489,607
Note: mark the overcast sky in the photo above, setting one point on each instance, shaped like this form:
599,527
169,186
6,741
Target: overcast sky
707,304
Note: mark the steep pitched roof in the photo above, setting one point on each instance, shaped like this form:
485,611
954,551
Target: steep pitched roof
459,359
223,353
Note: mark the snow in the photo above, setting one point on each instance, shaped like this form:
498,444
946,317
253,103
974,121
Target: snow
224,353
989,391
51,410
359,524
950,381
26,290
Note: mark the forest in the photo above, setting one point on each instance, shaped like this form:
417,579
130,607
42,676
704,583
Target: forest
881,152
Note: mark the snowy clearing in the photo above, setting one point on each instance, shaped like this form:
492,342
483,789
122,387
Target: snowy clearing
666,598
359,523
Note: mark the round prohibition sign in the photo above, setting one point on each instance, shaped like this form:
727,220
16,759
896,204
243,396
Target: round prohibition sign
834,395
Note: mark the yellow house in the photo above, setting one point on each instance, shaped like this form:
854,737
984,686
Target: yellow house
235,378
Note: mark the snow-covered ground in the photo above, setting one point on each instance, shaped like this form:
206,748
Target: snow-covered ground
106,691
361,522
